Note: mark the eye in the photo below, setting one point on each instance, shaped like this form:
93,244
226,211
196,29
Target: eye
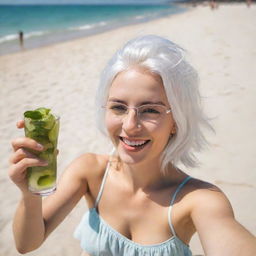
118,108
149,110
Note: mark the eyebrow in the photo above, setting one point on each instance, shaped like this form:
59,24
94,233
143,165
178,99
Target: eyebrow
142,103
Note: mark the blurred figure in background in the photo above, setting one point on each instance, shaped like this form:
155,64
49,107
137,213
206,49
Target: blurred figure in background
21,39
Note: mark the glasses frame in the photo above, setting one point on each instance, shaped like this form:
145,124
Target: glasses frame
167,110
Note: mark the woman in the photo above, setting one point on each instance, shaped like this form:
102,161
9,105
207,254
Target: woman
140,202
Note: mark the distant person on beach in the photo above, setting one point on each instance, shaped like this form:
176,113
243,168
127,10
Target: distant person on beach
213,4
21,39
249,2
140,202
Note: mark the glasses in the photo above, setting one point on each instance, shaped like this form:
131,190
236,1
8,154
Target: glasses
147,112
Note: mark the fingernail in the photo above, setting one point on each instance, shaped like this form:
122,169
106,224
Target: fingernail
39,146
44,163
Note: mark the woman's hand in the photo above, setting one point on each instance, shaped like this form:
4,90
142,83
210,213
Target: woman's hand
22,158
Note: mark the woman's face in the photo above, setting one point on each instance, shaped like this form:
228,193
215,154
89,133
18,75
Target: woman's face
138,140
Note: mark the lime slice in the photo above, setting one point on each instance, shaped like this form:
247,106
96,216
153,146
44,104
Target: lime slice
46,181
43,111
41,179
29,125
48,121
53,134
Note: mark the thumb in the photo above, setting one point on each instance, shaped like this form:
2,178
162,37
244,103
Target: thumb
20,124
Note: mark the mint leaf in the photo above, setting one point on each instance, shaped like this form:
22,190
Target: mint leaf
33,115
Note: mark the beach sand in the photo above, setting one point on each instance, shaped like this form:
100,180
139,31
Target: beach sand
64,77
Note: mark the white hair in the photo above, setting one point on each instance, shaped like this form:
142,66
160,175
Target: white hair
162,57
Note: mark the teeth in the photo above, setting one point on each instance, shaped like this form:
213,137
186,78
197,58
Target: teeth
134,142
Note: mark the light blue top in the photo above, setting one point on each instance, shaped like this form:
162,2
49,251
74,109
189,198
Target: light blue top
98,238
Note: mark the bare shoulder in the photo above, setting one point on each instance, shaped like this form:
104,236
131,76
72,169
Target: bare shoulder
205,196
79,173
88,165
89,170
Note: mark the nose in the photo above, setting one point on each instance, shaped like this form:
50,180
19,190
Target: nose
131,121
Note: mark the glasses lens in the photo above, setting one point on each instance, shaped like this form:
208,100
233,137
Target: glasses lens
151,112
117,109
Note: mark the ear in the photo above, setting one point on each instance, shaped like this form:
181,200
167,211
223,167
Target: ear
174,130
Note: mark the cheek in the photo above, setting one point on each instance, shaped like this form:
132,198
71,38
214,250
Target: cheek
112,125
159,133
163,131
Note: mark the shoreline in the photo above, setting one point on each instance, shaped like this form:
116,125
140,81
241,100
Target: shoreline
51,38
12,47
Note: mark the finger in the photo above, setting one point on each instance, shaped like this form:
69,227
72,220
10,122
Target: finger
20,124
18,170
19,155
22,165
25,142
17,178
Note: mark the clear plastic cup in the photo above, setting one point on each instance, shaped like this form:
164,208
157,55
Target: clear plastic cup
42,179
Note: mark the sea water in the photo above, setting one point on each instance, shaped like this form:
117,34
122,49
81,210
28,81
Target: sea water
46,24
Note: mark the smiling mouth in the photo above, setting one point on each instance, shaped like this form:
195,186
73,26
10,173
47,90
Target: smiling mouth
134,143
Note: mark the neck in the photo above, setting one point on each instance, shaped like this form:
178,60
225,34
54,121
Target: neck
146,176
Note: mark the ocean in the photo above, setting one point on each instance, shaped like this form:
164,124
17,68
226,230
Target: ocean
46,24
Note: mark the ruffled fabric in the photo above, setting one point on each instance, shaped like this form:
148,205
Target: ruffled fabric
98,238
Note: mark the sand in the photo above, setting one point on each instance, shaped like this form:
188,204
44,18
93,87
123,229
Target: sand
64,77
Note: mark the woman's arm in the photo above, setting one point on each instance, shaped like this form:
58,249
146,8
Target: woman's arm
28,224
219,232
35,218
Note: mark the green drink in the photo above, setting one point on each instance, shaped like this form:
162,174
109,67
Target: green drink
42,126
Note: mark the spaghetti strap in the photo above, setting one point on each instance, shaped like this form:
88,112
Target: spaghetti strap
102,185
172,202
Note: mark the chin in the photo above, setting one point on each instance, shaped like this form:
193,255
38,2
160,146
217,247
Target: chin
132,158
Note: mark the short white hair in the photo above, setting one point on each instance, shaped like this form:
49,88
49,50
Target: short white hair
180,80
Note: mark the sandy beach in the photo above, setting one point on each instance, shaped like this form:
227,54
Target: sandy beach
64,77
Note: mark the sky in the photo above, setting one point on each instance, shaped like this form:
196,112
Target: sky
82,1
